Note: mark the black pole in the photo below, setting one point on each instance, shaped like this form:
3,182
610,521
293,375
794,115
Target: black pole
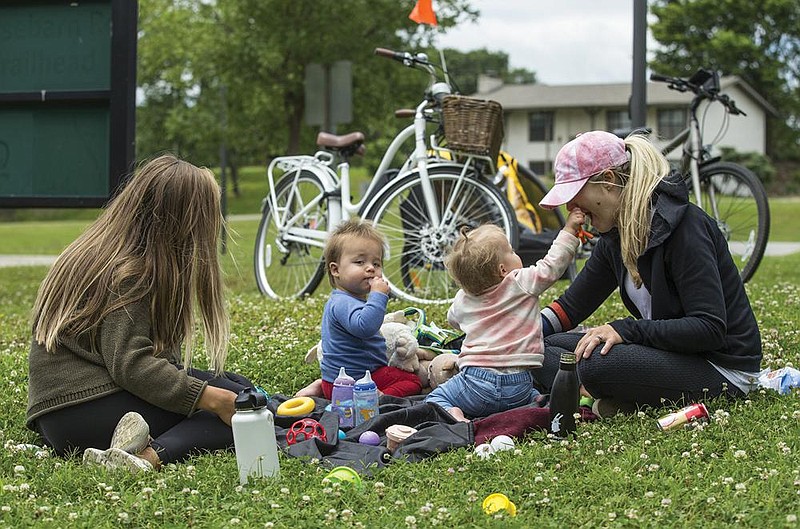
638,103
223,164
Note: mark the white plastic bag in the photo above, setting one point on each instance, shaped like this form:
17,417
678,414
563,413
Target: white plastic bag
781,380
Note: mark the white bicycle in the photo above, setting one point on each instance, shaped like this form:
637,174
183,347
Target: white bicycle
419,208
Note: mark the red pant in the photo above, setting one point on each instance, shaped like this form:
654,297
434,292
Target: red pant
390,381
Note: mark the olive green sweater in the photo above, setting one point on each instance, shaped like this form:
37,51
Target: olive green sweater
124,361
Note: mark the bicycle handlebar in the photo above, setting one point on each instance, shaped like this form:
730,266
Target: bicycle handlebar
684,85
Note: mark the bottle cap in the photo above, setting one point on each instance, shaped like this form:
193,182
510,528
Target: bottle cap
343,379
250,399
366,383
568,358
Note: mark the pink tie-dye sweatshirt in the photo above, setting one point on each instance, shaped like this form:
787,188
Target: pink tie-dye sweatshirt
503,327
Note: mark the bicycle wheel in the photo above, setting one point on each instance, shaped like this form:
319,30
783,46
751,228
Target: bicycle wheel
735,198
283,267
414,262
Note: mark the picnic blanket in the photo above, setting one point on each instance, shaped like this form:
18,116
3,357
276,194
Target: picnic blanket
437,431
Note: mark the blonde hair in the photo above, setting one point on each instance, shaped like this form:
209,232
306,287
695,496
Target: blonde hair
639,178
474,260
156,240
350,229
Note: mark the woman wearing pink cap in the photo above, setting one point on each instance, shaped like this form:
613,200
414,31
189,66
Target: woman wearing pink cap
693,334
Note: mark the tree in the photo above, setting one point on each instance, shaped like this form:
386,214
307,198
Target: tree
465,67
758,41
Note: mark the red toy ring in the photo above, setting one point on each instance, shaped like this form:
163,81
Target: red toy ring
305,429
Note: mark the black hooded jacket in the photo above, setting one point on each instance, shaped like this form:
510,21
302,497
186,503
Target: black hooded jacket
699,305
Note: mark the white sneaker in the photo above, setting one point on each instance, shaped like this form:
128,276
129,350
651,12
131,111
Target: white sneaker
132,433
114,458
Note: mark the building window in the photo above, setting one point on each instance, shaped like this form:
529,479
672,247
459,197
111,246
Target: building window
540,167
540,126
671,121
617,119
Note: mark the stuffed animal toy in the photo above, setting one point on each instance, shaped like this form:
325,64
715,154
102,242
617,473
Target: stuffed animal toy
441,369
403,352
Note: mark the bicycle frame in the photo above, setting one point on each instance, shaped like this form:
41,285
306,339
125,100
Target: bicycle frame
336,183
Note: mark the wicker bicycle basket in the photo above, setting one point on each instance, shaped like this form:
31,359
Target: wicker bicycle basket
473,126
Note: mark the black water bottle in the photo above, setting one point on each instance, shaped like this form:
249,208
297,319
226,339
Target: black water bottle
564,398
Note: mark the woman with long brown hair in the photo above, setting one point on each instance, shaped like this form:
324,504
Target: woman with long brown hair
112,315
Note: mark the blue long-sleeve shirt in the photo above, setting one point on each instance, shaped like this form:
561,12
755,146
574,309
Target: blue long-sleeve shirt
351,335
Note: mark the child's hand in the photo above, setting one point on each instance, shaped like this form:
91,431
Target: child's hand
378,284
575,221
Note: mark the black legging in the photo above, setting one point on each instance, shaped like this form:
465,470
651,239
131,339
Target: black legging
636,373
175,436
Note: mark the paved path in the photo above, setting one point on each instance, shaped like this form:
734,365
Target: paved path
773,249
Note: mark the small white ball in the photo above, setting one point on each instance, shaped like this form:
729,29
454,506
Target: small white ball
502,442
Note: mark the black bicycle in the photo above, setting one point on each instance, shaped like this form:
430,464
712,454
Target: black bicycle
728,192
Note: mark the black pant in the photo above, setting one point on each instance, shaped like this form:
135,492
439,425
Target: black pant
175,436
636,373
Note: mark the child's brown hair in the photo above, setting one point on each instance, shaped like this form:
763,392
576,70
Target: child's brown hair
474,260
353,228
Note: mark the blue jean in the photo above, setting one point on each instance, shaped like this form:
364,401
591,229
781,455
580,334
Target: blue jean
480,392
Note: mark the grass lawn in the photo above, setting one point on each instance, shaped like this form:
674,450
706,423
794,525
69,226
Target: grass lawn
742,469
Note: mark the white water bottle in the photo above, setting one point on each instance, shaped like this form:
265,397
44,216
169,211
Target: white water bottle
254,436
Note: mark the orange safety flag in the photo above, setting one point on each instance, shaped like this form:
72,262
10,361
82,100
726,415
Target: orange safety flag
423,13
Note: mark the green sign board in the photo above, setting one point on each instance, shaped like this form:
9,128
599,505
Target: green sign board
67,96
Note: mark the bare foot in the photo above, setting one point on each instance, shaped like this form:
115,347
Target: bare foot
149,454
457,414
312,390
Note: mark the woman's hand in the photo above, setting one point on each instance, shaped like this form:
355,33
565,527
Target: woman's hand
219,401
605,334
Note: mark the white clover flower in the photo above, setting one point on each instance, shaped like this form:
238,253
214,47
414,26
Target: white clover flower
284,490
234,521
666,502
411,520
791,518
5,508
72,516
740,486
649,494
19,469
612,516
740,454
123,516
711,499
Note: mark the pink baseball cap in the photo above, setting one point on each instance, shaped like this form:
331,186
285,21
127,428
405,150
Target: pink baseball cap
588,154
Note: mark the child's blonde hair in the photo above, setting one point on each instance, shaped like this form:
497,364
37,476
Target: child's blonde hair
474,260
351,229
156,240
